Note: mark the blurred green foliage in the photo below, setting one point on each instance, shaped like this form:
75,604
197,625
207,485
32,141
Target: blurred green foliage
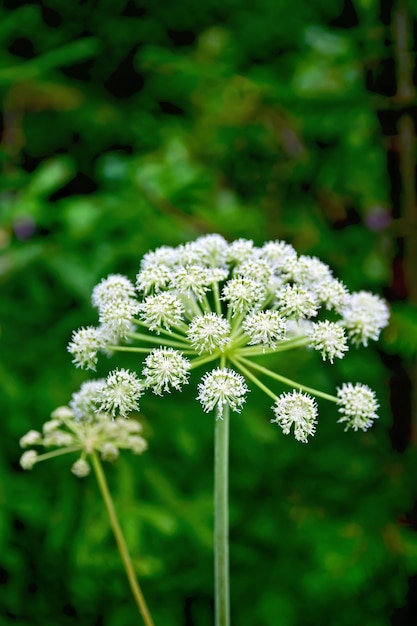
130,125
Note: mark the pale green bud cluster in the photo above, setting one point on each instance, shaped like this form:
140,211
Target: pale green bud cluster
228,305
84,431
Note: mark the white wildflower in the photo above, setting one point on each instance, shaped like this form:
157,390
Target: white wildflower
333,294
114,287
308,271
243,294
137,444
84,402
62,413
30,439
116,317
240,250
264,327
165,367
258,270
50,426
209,332
84,345
58,438
162,256
212,250
120,393
191,280
28,459
220,387
329,338
109,452
217,274
358,405
153,277
277,254
297,328
299,410
295,301
81,468
162,309
364,316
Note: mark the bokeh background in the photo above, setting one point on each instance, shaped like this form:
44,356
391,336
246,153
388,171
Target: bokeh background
127,125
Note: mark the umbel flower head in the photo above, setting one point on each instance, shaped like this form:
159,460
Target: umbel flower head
223,306
81,428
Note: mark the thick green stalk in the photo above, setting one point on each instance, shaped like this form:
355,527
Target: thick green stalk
120,540
221,518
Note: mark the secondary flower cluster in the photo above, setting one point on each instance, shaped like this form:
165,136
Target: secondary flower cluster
210,301
79,428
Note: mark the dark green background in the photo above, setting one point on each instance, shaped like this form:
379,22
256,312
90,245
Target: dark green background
129,125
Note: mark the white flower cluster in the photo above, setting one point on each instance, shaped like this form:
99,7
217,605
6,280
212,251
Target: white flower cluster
80,428
210,301
299,410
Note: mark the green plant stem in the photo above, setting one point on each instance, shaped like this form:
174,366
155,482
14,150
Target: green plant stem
282,379
120,540
204,359
221,518
290,344
163,331
216,295
51,455
157,340
248,374
129,349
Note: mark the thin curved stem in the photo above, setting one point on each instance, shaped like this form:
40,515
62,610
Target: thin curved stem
163,331
292,383
248,374
289,344
157,340
120,540
221,518
51,455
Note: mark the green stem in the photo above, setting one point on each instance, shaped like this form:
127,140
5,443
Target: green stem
216,295
253,378
163,331
120,540
280,347
204,359
242,362
128,349
221,519
51,455
157,340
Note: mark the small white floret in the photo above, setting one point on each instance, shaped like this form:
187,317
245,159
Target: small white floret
84,345
28,459
364,316
265,328
220,387
295,301
81,468
358,405
243,294
84,402
162,309
114,287
165,368
30,439
120,393
328,338
299,410
209,332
